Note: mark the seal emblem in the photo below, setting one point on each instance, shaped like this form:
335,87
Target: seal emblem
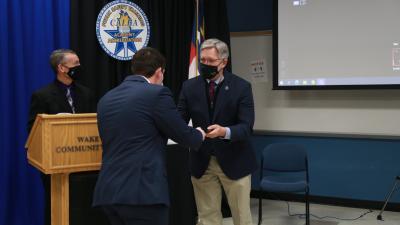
122,29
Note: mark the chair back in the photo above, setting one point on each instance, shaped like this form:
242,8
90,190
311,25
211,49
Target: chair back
285,157
286,170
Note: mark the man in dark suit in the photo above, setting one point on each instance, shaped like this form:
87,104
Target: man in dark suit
222,103
63,95
135,119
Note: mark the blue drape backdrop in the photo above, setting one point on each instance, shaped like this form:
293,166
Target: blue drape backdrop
29,31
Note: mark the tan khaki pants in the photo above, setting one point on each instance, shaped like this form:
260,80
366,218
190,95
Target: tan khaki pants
208,194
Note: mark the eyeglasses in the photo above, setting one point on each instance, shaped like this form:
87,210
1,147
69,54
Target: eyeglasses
209,61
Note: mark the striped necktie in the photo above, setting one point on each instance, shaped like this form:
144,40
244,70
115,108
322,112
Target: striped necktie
70,100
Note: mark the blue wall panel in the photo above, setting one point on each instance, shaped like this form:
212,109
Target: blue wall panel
250,15
359,169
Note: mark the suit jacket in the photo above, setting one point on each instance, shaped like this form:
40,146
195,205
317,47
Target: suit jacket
134,120
234,108
52,99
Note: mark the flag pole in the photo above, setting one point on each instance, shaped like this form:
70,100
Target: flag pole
197,41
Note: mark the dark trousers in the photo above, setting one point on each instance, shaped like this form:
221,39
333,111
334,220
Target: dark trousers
137,214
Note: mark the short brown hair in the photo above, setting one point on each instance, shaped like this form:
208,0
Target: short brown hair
57,57
146,61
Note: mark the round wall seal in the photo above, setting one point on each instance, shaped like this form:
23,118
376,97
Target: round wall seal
122,29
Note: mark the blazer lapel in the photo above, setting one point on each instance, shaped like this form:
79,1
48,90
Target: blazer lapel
61,99
80,97
223,93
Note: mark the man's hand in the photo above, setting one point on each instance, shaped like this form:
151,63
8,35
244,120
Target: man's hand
215,131
203,134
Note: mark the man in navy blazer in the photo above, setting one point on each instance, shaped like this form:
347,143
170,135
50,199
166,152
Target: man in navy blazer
134,120
222,103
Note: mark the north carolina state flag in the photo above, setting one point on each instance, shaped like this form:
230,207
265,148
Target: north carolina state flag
197,39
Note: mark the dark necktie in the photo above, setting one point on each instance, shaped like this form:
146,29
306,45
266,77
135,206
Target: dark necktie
70,100
211,92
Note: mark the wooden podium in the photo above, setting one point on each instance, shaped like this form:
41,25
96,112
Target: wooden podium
59,145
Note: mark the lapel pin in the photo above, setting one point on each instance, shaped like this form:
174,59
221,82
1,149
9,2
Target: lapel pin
226,88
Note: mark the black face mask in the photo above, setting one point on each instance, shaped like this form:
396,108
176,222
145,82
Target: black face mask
73,71
207,71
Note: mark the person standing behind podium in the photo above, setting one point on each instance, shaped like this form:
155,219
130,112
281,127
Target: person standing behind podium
63,95
134,120
222,103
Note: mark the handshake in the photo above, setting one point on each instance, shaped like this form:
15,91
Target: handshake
213,131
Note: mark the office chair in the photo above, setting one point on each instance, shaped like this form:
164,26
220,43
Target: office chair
285,170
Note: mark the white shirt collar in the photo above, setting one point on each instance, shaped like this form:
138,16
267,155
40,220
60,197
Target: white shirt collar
217,81
145,78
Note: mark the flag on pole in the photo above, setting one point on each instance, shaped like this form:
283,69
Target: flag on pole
197,39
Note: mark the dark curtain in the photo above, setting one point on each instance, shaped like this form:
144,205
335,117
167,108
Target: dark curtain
30,31
216,22
171,25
